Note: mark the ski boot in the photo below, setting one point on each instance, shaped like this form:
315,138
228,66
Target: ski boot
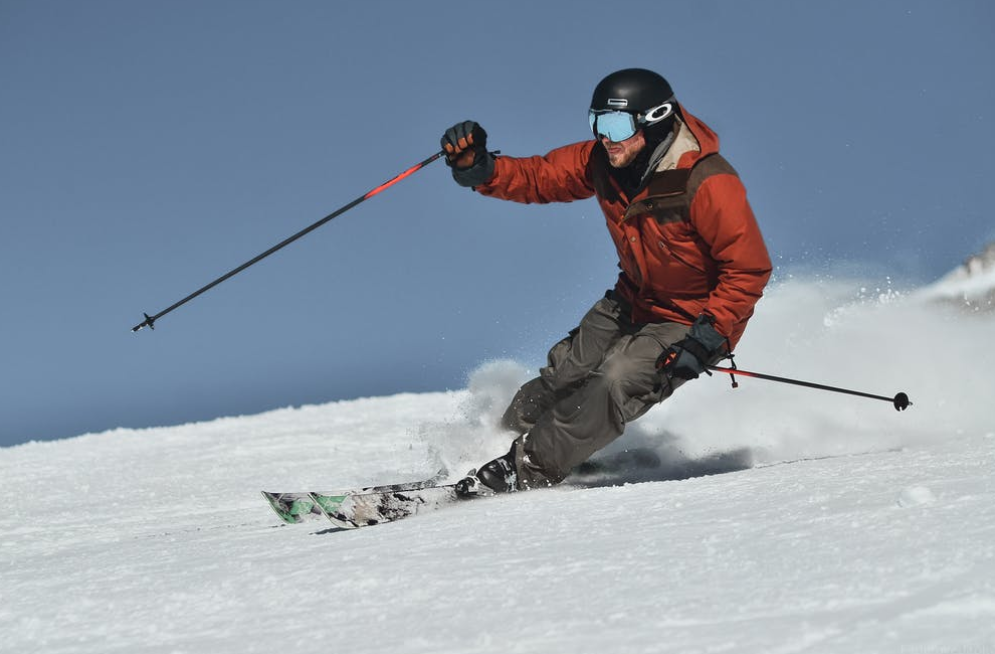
498,476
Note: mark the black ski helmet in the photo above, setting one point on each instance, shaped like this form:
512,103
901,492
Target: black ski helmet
635,90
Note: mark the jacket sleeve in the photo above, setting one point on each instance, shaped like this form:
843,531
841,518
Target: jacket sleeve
723,218
560,176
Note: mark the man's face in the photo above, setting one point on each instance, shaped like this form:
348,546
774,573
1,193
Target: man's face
623,153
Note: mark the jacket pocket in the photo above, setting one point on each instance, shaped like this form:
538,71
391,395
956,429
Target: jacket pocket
673,254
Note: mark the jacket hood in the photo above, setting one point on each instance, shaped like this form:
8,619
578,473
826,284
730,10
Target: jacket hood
681,147
703,141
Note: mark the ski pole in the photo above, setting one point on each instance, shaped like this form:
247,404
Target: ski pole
900,401
150,320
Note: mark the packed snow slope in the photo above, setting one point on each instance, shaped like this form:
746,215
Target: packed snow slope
764,519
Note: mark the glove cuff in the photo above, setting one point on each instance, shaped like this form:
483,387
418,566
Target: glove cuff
704,333
479,173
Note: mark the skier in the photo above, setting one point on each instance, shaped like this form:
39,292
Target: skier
693,265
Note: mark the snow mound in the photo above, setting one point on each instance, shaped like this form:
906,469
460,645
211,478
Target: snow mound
971,286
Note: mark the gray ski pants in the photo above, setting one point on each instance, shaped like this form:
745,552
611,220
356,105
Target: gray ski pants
600,377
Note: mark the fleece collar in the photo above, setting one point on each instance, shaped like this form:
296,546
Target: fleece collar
683,143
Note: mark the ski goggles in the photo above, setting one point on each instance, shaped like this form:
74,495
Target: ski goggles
622,125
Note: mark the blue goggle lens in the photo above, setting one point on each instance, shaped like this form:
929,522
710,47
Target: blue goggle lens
616,125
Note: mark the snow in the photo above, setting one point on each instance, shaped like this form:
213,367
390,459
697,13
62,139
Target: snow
778,519
971,285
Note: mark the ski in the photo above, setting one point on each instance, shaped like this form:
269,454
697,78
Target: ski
298,507
378,507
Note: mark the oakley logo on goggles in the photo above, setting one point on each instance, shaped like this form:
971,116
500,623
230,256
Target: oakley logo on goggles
622,125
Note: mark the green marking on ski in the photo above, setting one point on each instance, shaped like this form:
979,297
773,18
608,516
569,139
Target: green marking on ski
301,507
282,511
329,503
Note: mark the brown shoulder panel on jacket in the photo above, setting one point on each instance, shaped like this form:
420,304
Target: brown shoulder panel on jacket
713,164
671,192
669,182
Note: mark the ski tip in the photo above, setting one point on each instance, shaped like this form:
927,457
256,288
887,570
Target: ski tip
344,522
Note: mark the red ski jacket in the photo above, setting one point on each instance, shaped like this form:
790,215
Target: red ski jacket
688,243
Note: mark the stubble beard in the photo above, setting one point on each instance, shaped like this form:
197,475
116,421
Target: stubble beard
628,151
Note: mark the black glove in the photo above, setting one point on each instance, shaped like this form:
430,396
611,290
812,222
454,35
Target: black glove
465,145
689,357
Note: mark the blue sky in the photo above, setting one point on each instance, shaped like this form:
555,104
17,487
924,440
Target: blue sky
147,148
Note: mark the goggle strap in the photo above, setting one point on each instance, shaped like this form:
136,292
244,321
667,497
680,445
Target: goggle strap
670,104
